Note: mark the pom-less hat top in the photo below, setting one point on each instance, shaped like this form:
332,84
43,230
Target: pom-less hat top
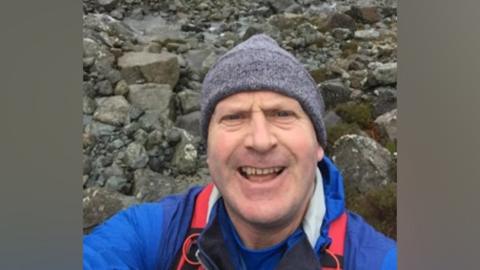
260,64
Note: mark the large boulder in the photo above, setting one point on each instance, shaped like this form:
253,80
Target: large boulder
151,186
190,122
99,204
162,68
112,110
365,164
388,121
334,93
152,97
189,101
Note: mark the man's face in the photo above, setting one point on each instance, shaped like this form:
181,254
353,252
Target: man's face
262,155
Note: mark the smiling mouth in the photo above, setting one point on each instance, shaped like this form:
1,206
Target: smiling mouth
253,173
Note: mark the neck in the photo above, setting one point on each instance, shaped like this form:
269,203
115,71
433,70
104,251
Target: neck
258,236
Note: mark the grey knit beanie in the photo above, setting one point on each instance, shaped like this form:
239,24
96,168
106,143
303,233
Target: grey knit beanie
260,64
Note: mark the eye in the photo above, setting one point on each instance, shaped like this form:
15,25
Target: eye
282,116
233,119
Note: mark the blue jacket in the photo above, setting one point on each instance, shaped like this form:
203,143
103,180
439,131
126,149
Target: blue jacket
148,236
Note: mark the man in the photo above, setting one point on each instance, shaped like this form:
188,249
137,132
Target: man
277,201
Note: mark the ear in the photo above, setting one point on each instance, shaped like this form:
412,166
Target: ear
320,153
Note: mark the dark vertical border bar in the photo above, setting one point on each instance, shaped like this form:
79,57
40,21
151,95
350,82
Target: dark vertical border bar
40,123
439,128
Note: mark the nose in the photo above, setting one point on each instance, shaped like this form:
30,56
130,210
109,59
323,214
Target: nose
260,137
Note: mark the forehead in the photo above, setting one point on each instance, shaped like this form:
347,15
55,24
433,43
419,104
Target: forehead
262,98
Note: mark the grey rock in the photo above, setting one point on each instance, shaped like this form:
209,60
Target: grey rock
117,183
151,186
365,164
141,136
89,105
388,121
385,101
90,48
190,122
280,5
162,68
189,101
196,58
341,33
121,89
98,129
156,29
99,204
87,165
174,136
117,14
104,88
156,164
116,144
134,113
108,4
368,34
385,74
113,76
151,120
108,25
135,156
88,89
286,21
334,93
152,97
154,138
112,110
185,157
130,128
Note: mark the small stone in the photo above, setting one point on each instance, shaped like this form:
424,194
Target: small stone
121,89
141,136
174,136
112,110
134,113
185,158
368,34
89,105
99,129
104,88
114,76
154,138
135,156
117,183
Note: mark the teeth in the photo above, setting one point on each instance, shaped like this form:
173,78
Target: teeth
259,171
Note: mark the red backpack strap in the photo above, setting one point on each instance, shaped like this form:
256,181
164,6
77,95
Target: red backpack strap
332,259
186,259
199,219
